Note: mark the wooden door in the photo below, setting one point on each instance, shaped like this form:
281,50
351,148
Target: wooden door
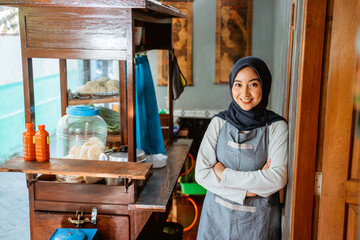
339,200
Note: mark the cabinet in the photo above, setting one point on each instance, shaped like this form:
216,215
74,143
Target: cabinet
101,30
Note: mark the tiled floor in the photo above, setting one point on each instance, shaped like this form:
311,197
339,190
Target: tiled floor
14,212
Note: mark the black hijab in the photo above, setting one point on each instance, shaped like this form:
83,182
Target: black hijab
259,115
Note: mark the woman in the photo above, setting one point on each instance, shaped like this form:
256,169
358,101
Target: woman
242,161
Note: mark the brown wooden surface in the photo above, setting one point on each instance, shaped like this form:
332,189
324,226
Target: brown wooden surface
113,4
156,194
140,218
163,9
355,163
131,97
339,186
165,126
322,112
83,193
352,192
63,85
114,138
29,106
63,28
110,99
31,189
352,231
143,16
77,3
122,95
76,54
56,206
109,226
52,33
92,168
28,80
307,118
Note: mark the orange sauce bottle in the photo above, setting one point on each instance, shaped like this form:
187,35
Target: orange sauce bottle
42,144
29,143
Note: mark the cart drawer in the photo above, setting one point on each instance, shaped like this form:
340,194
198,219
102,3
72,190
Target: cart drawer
109,226
83,193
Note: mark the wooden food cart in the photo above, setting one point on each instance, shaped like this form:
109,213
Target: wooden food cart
101,30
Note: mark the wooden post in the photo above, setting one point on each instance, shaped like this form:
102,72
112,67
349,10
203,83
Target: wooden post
307,117
63,86
122,106
131,96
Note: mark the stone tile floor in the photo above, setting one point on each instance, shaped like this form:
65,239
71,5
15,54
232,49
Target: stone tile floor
14,207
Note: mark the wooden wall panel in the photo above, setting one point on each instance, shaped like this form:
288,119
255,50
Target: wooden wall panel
68,32
355,163
352,231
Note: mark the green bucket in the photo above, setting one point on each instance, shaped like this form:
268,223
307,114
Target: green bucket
191,188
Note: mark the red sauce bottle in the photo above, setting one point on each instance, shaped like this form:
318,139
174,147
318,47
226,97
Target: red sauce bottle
29,143
42,144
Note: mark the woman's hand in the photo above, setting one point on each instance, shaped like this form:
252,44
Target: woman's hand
250,194
265,167
219,169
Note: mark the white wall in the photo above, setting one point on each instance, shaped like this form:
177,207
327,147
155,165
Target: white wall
269,42
204,94
10,60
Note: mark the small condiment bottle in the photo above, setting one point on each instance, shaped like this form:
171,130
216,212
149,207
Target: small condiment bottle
29,143
42,144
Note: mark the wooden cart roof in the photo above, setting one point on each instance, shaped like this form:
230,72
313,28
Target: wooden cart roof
146,5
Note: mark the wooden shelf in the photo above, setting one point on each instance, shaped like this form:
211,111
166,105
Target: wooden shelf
91,168
158,189
113,138
93,100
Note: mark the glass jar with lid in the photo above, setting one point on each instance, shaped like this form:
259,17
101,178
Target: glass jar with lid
81,133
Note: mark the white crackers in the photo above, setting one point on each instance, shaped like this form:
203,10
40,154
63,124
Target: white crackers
90,151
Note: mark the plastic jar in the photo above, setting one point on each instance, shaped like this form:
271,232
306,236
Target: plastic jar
78,131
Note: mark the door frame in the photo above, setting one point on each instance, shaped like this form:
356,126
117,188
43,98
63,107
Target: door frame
311,60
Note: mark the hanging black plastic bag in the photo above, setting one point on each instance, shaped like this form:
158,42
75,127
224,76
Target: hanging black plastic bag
178,79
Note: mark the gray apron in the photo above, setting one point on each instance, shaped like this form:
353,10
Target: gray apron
258,217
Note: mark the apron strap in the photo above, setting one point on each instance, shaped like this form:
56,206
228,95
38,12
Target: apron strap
266,120
266,132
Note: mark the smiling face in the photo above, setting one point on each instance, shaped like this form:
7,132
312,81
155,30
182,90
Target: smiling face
246,89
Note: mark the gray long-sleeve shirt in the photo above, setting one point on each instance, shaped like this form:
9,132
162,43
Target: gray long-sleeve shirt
235,184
